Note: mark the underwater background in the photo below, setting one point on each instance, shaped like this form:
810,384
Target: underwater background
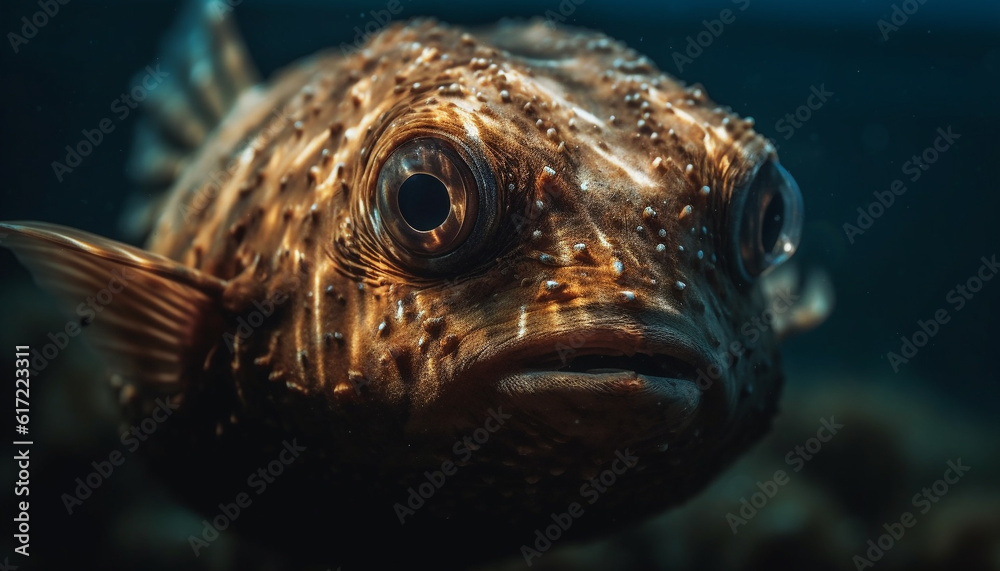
850,92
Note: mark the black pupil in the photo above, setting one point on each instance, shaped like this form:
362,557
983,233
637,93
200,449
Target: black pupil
772,223
424,202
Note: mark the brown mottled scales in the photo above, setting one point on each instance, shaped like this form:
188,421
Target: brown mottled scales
528,228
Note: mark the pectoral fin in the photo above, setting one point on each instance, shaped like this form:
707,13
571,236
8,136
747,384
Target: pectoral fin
811,302
151,317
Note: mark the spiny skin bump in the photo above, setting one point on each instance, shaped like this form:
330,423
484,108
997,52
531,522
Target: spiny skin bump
612,234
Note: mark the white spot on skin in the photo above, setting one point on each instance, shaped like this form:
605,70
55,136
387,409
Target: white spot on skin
551,285
522,321
628,295
687,210
618,267
399,310
681,285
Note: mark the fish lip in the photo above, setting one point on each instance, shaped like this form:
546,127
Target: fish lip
553,353
652,406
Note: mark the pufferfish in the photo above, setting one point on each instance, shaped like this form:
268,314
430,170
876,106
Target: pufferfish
466,274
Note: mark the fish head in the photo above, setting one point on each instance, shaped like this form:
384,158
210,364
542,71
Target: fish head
542,227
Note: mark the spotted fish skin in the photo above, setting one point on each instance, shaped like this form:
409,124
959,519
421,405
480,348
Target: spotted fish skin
610,234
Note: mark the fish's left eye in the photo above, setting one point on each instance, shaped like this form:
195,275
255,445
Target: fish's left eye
431,199
768,222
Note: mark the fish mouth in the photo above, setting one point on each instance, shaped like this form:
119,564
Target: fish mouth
608,351
601,362
645,384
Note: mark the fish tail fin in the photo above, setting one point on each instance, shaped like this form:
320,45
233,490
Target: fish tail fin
152,319
203,69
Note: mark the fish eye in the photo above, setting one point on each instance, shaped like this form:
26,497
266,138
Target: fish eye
769,223
436,202
427,197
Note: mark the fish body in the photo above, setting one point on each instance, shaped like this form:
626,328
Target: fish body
498,263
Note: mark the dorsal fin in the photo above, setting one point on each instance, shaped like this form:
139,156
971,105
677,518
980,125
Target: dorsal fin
150,316
207,68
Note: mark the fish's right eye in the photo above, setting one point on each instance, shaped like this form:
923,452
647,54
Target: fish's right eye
428,198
